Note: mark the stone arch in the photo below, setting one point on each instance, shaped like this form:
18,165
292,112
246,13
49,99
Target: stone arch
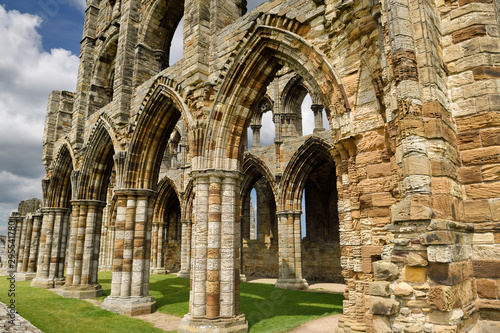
293,93
159,114
59,190
301,164
312,172
167,190
155,35
103,75
259,254
245,84
187,203
166,229
97,164
292,97
254,168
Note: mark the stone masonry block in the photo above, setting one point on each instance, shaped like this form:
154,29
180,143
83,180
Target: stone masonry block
383,306
486,288
379,288
385,270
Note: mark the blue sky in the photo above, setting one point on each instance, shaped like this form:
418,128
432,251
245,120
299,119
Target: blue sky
62,21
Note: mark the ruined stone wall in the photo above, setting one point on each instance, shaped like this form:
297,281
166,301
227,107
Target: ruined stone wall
259,259
29,206
411,92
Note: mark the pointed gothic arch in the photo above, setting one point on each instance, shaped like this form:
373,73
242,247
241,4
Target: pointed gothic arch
60,190
161,110
97,163
161,19
245,84
302,163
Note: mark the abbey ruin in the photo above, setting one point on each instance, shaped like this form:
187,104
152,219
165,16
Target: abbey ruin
150,168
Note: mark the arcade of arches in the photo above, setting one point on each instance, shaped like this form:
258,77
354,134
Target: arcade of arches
396,194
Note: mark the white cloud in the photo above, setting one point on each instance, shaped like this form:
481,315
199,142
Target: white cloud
27,75
80,4
267,132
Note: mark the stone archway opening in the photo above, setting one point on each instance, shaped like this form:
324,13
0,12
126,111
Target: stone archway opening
320,236
90,217
166,231
259,232
54,233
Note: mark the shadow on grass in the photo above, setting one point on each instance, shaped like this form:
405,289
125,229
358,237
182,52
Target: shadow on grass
269,309
266,308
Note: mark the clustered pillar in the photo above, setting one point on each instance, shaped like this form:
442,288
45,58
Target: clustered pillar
132,252
214,302
28,249
83,250
157,251
290,256
51,257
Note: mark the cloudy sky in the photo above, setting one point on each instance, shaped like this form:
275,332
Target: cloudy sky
40,41
40,46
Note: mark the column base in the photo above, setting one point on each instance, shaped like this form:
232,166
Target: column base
39,282
130,306
243,278
295,284
234,324
59,282
25,276
105,268
7,271
158,271
184,275
80,292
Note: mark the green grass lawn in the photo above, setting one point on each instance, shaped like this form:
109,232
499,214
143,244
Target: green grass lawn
266,308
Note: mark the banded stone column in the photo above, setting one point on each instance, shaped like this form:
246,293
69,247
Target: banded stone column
185,271
214,298
34,247
132,253
83,250
157,259
107,238
50,266
19,230
290,252
25,248
9,267
22,241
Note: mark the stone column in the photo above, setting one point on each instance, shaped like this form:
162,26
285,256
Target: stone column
185,271
157,259
317,109
8,260
243,244
214,298
22,241
50,267
83,250
19,231
25,248
256,136
110,247
132,253
34,247
290,252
